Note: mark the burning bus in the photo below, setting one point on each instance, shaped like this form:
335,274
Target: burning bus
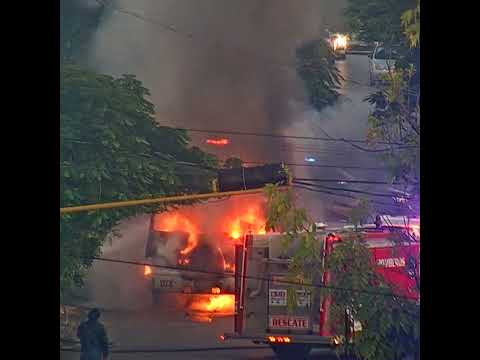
191,250
183,267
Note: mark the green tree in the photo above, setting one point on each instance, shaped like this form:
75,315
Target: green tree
112,149
377,20
390,324
316,67
411,25
396,118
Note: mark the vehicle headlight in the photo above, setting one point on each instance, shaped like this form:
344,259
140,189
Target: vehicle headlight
380,67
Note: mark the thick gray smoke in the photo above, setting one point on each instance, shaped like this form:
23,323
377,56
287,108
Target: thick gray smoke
228,65
215,64
112,285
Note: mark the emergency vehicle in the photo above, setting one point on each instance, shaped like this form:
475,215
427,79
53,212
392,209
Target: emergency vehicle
261,265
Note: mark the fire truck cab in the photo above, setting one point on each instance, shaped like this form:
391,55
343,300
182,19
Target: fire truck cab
261,287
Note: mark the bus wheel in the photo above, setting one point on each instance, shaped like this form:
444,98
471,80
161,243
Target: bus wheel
292,351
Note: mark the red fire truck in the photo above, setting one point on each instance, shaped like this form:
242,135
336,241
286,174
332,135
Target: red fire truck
261,292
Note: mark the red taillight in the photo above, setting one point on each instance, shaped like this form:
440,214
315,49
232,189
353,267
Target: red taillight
222,337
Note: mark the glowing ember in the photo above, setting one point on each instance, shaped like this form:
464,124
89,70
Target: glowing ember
216,290
228,267
218,141
148,270
183,261
177,222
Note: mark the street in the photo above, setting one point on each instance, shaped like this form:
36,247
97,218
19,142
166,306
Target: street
131,319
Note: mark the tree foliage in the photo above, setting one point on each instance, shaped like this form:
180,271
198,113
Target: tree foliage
411,25
390,325
396,118
377,20
316,67
111,149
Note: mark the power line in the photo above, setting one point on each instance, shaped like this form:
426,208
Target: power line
350,167
370,182
347,196
223,274
298,137
341,189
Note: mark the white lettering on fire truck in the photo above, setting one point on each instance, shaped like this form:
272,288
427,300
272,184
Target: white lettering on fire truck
392,262
278,297
303,298
288,322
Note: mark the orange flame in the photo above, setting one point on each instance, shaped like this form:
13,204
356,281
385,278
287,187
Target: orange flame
228,267
183,261
148,270
216,290
177,222
220,304
251,219
218,141
236,221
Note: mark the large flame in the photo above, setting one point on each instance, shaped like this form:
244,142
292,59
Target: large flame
236,218
178,222
220,304
245,220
